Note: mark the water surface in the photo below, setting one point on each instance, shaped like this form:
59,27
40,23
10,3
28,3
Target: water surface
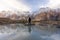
29,32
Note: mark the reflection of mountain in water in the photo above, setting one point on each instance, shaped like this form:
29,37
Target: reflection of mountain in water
22,32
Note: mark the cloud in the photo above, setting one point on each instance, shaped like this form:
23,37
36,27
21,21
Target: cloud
28,5
53,4
13,5
34,4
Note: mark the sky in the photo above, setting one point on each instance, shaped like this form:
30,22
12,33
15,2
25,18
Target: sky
28,5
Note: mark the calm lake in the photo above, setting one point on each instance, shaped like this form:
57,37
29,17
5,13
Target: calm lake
29,32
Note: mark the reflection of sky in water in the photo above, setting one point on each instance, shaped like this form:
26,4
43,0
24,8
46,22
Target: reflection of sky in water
21,33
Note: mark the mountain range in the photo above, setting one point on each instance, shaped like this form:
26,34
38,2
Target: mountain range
41,14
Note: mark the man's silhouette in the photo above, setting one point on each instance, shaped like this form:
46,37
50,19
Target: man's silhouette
29,20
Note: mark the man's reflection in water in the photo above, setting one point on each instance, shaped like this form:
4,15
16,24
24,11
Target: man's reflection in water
29,29
29,23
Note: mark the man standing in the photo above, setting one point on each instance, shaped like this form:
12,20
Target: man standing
29,20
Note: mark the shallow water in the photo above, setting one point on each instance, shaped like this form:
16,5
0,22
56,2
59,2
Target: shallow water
29,32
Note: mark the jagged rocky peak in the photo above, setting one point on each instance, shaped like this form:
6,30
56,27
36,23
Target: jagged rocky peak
47,14
14,14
